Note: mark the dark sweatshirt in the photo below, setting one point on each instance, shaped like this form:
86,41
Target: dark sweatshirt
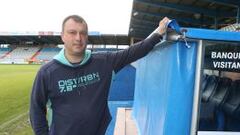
75,97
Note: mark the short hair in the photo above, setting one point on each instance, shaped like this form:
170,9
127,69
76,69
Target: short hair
76,18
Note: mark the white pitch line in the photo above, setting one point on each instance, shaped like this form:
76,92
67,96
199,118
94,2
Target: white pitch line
2,126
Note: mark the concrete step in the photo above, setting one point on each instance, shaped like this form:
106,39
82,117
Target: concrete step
125,124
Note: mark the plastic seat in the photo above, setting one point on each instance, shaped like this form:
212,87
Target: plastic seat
232,104
211,84
221,92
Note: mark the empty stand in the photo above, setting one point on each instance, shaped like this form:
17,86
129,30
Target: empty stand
47,54
20,55
4,51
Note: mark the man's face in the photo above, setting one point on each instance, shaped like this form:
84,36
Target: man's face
75,36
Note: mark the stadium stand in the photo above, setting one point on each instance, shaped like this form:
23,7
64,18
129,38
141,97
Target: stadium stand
47,54
4,51
233,27
39,54
20,55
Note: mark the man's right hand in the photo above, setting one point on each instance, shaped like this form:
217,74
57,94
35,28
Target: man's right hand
162,28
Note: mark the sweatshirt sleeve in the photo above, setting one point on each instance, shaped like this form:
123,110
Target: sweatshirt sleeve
136,51
38,105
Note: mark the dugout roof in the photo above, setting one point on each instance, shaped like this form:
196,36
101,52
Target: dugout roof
211,14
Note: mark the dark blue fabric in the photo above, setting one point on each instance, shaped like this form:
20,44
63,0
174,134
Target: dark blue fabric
174,25
164,90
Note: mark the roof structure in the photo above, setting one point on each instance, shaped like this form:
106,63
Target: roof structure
211,14
103,39
145,16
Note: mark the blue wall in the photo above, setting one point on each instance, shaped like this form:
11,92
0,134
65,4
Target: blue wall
123,84
121,93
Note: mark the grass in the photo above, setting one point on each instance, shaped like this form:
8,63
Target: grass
15,88
20,126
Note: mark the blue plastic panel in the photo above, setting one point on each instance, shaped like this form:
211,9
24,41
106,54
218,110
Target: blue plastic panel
123,84
208,34
164,90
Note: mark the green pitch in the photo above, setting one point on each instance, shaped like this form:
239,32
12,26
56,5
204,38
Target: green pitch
15,89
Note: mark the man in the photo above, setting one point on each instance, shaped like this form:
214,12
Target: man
75,84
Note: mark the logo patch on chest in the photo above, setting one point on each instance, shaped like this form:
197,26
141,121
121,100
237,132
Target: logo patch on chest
71,84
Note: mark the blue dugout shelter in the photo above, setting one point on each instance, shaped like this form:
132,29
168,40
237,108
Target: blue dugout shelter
168,82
